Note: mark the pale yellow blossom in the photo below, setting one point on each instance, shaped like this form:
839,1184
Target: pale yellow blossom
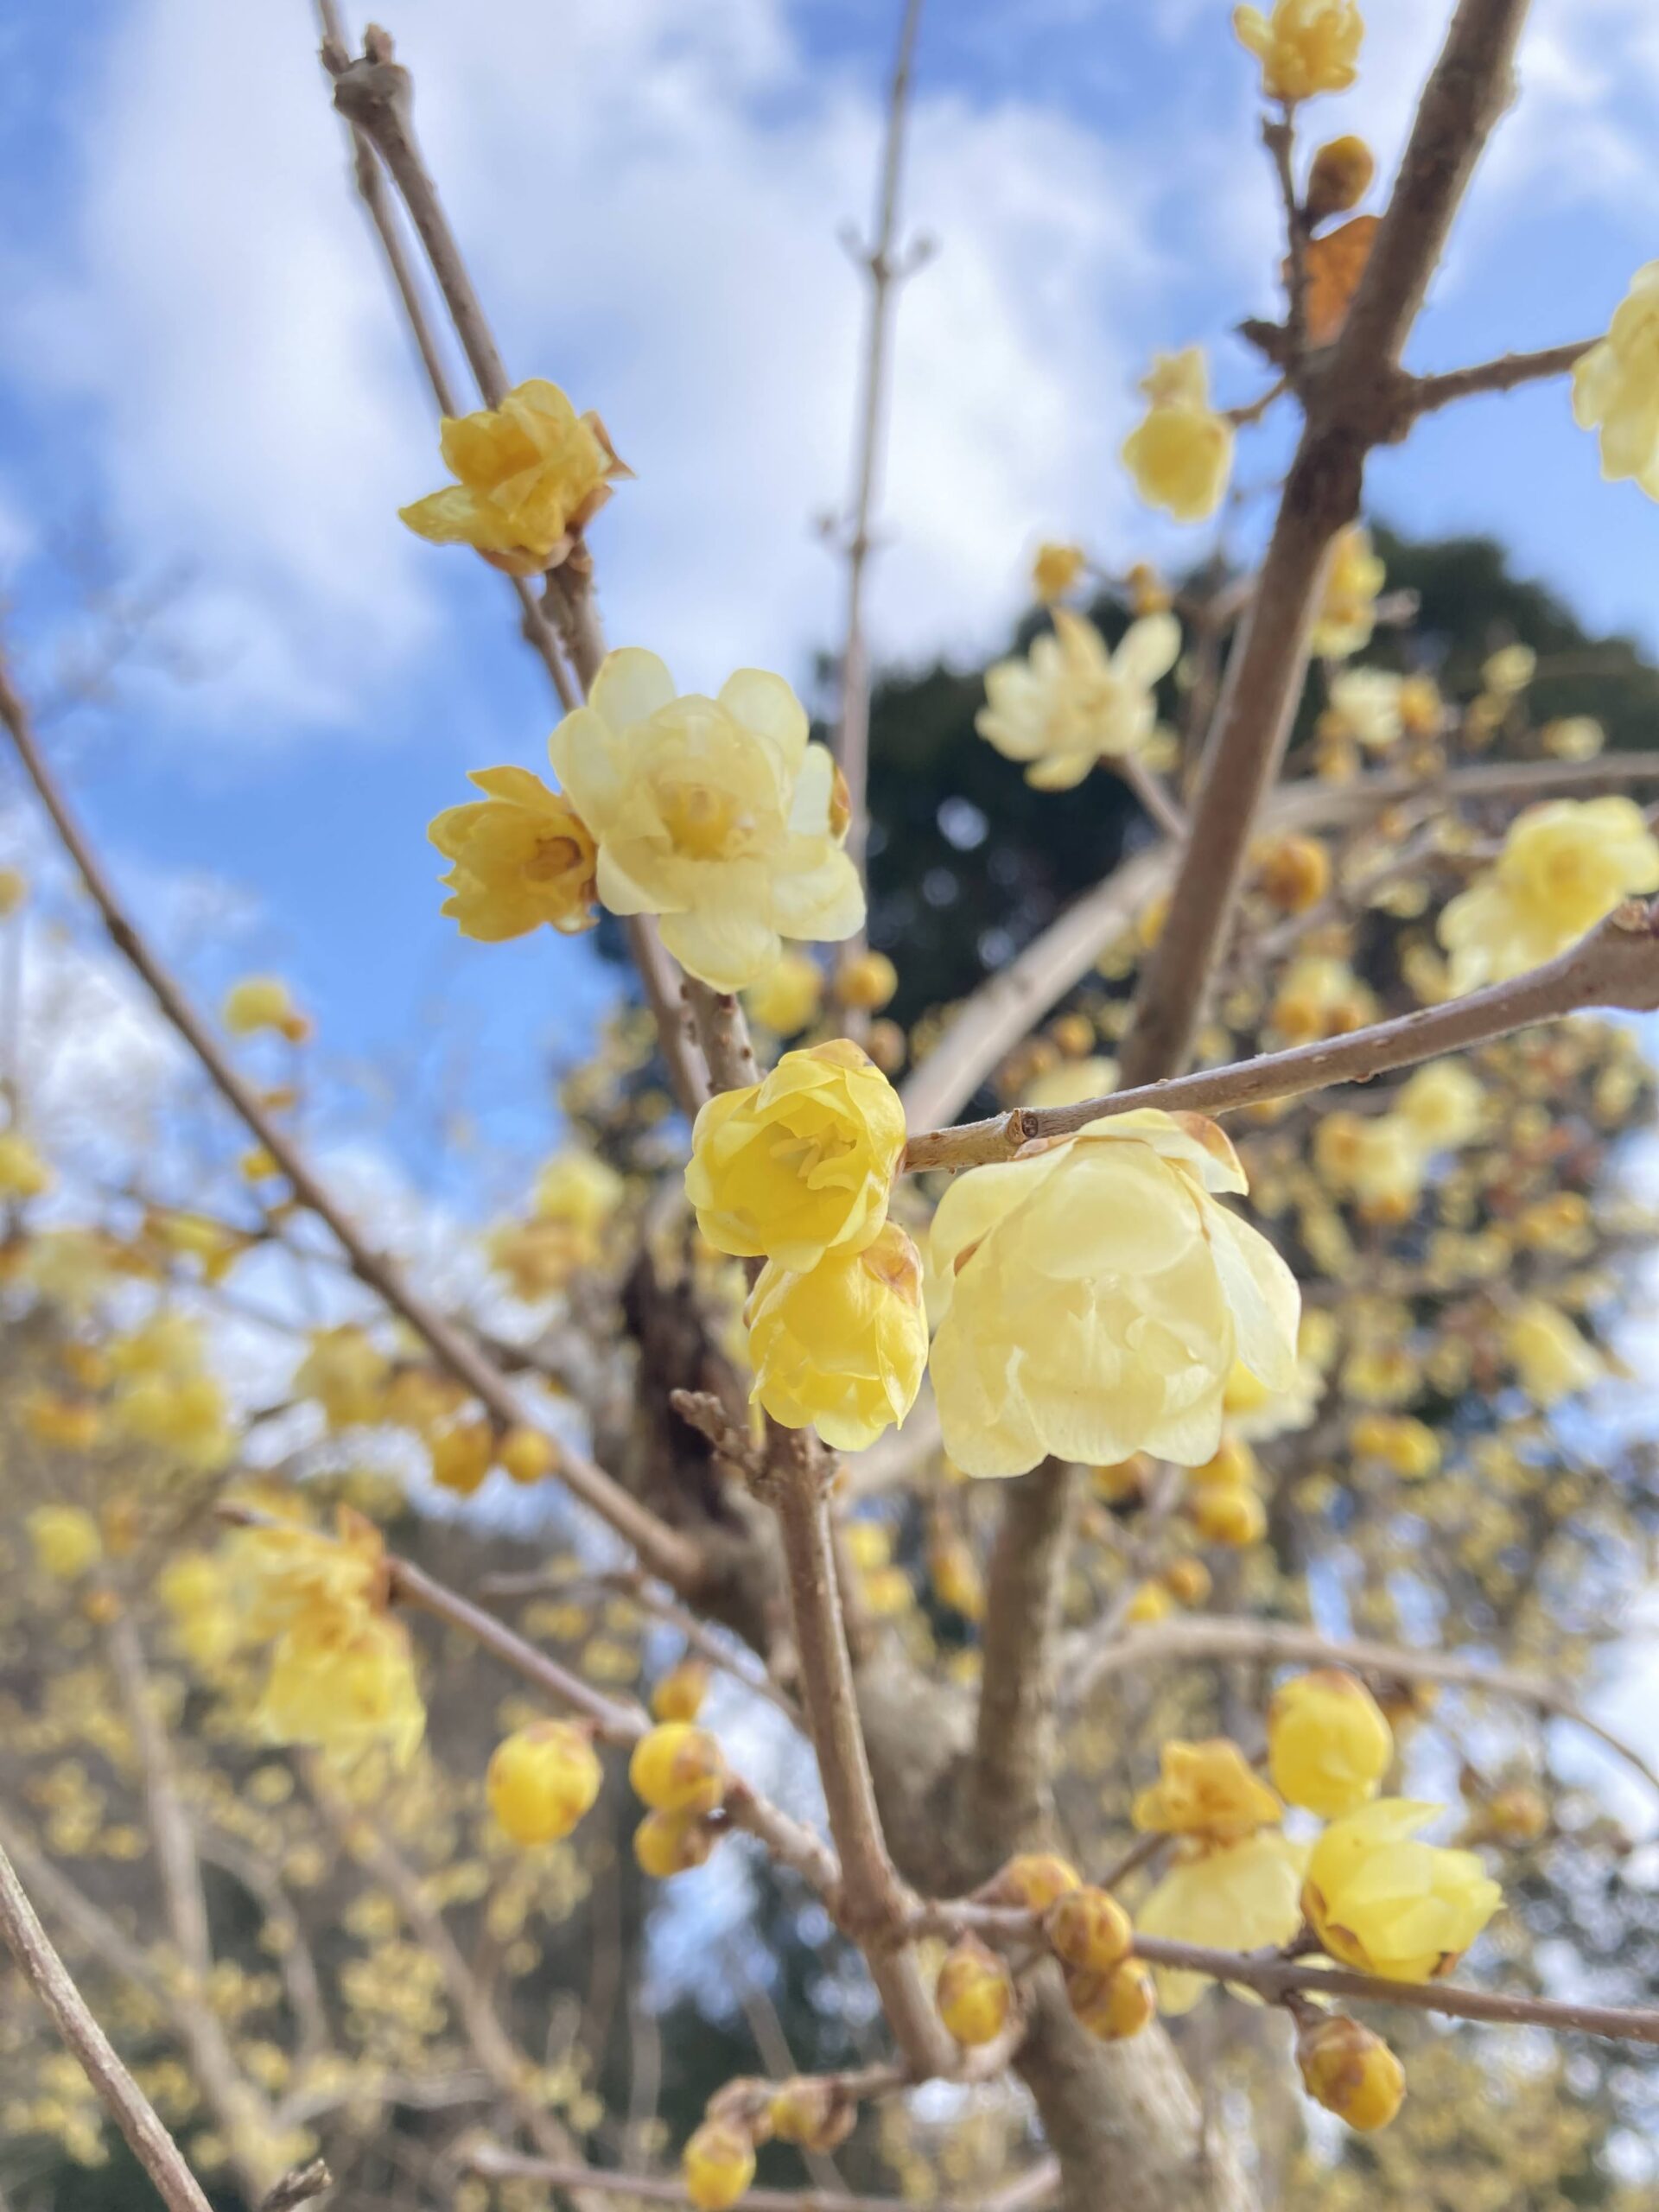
1615,386
1180,454
1304,47
1072,703
842,1348
532,473
1565,865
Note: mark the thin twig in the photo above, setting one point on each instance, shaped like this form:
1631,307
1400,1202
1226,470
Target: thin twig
1422,395
125,2102
1616,965
1279,136
496,2164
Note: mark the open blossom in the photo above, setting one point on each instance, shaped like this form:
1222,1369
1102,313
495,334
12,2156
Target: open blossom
1565,865
1551,1358
1071,701
715,813
801,1164
532,473
1304,47
1353,583
1365,705
1381,1901
1328,1743
346,1373
1615,386
523,855
842,1347
1180,454
1206,1789
1096,1295
1234,1897
1054,569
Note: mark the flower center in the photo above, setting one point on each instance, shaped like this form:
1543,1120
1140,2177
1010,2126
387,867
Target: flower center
704,824
552,858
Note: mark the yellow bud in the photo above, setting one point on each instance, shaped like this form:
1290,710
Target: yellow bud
1187,1580
1339,178
1328,1743
65,1541
257,1166
1294,874
975,1992
1034,1880
256,1003
461,1456
1349,2071
527,1454
1149,593
812,2114
680,1693
868,980
887,1045
957,1580
14,889
678,1769
1115,2005
1055,569
718,2165
1088,1928
1232,1518
788,995
1233,1465
541,1780
1150,1601
1075,1035
1124,1483
1517,1815
666,1844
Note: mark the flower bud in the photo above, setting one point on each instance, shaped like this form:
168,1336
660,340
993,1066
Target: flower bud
975,1992
1113,2006
461,1456
888,1045
1187,1580
1349,2071
1294,874
1339,178
717,2166
680,1693
1232,1517
1075,1035
1033,1879
527,1454
1148,1602
867,980
678,1769
65,1541
541,1780
813,2114
1055,569
666,1844
1088,1928
1328,1743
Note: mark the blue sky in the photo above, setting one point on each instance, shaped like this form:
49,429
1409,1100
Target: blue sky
203,379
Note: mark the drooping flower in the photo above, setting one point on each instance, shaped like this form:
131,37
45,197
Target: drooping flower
788,995
1231,1897
1615,386
1304,47
1353,584
1072,703
523,855
842,1348
345,1371
532,474
1328,1743
1180,454
1379,1900
1206,1789
260,1002
1565,865
1096,1295
800,1164
1054,569
1551,1358
541,1780
1350,2071
715,814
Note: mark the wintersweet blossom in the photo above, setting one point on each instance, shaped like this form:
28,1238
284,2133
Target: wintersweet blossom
842,1347
715,814
1304,47
1328,1743
1353,584
1054,569
1237,1897
1379,1900
1350,2071
788,995
800,1164
346,1372
1615,386
1180,454
1096,1295
1071,701
532,473
1206,1789
523,855
23,1174
1565,865
1551,1358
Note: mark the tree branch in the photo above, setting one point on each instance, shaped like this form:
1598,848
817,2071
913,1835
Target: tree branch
125,2102
1616,965
1422,395
492,2163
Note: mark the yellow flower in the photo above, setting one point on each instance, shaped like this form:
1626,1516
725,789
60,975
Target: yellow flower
203,1616
788,995
1207,1790
1366,705
1349,2071
678,1767
1353,583
579,1190
1380,1901
1072,1082
1237,1897
541,1780
1088,1928
1320,996
1509,670
975,1992
1409,1447
14,889
717,2166
532,474
65,1541
344,1684
1339,178
715,813
1096,1295
1180,454
23,1174
1565,865
865,980
164,1396
1551,1358
523,855
1071,702
1615,386
346,1372
1442,1105
842,1348
680,1693
801,1164
1055,569
283,1572
1306,47
258,1002
1328,1743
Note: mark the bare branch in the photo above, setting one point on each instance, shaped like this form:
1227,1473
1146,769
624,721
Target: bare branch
1422,395
496,2164
1280,138
1616,965
1008,1778
125,2102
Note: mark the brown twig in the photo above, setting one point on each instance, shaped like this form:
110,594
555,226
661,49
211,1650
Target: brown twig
1279,136
495,2164
44,1971
1616,965
1008,1777
1422,395
1347,404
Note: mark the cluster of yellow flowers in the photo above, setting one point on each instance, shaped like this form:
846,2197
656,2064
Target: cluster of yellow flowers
1565,864
1072,703
1382,1160
576,1197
